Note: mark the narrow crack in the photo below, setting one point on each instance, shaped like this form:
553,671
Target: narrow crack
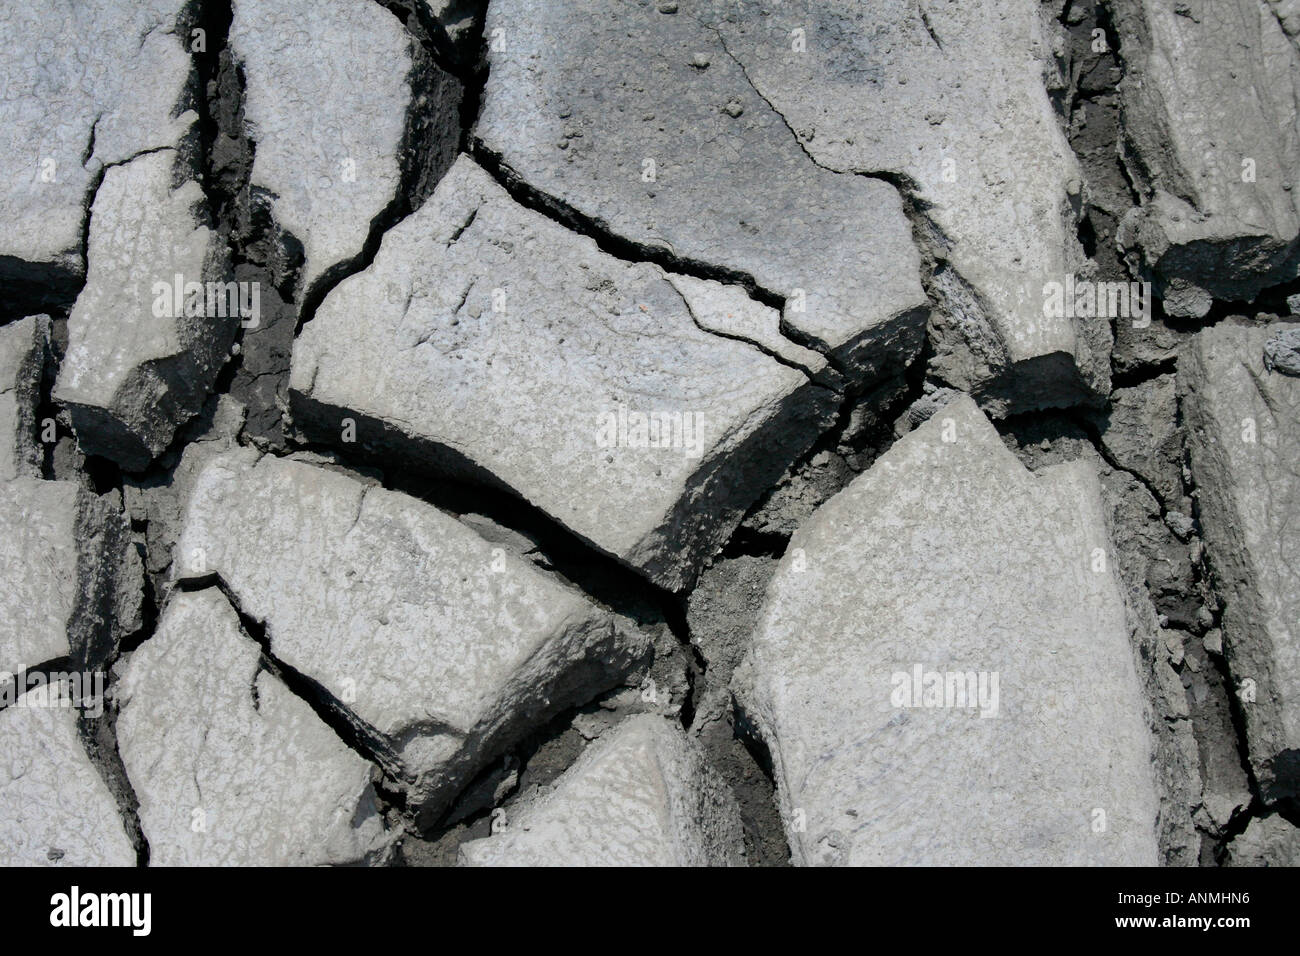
351,729
929,27
884,176
1143,374
735,337
608,241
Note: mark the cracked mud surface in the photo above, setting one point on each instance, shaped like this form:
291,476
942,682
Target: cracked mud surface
510,432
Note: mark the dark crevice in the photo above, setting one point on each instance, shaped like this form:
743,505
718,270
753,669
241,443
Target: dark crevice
424,26
752,542
1269,304
1142,374
694,671
47,410
762,827
1087,234
469,66
99,740
846,438
89,151
44,672
105,475
214,18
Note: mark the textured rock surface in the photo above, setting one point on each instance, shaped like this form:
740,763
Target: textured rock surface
672,175
951,99
23,347
469,376
1212,118
727,311
1140,434
897,573
325,176
1226,788
1144,550
1157,555
66,571
1270,841
137,365
1282,352
489,341
231,768
1243,433
70,108
641,795
54,808
439,647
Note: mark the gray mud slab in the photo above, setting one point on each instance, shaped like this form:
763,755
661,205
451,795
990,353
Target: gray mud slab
230,767
953,101
1210,119
71,108
54,808
435,647
489,343
1243,435
640,795
155,320
641,124
949,557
